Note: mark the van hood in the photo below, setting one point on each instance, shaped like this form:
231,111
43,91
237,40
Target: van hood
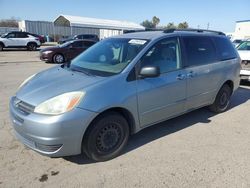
244,54
53,82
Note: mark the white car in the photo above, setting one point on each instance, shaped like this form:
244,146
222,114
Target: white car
17,39
244,52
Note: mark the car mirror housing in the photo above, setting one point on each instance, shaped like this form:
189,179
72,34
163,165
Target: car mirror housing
149,72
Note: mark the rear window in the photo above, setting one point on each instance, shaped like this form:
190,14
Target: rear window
199,50
225,48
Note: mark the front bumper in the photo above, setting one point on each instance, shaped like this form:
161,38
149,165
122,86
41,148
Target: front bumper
53,136
245,75
46,57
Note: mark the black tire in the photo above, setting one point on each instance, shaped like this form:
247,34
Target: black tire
32,46
106,137
1,47
58,58
222,100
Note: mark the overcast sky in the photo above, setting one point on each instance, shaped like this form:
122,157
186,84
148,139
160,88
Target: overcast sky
220,14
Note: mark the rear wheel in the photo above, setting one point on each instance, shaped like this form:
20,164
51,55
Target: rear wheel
106,137
1,47
58,58
32,46
222,100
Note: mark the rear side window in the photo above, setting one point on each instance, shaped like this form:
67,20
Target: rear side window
225,48
199,50
88,43
77,44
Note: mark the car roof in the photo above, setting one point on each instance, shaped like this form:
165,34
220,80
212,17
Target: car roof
86,35
150,35
87,40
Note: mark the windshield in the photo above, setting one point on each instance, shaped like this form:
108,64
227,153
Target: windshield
244,46
4,35
109,56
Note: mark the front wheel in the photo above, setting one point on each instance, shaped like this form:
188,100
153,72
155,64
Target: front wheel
106,137
58,58
222,100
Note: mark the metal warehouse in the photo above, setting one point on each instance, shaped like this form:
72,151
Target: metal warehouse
242,29
65,25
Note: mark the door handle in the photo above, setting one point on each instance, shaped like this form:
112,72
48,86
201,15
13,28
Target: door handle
190,74
181,77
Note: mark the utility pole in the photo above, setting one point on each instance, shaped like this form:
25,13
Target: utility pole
207,25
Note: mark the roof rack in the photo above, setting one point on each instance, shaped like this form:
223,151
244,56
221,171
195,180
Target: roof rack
194,30
142,30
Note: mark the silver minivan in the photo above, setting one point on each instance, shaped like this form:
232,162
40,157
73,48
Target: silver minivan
120,86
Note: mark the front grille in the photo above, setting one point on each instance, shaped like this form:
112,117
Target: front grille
17,119
23,107
245,65
48,148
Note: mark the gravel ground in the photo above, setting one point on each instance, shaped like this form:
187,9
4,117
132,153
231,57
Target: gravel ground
199,149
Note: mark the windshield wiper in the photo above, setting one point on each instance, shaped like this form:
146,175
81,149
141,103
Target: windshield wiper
82,71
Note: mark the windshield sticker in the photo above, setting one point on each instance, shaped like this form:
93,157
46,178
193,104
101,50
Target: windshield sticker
136,41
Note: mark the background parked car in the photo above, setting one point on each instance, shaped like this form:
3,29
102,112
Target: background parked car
83,36
18,39
40,37
237,42
244,52
65,52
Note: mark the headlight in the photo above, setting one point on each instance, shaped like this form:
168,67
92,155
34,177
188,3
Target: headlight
60,104
26,80
47,52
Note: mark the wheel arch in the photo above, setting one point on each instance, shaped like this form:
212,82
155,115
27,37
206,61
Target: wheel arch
2,44
230,83
120,110
31,42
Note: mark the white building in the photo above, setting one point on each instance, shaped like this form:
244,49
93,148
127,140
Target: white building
242,30
65,25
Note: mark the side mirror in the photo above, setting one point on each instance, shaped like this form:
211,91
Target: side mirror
149,72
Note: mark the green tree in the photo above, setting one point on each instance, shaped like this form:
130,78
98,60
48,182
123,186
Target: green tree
183,25
151,24
155,21
12,22
170,26
147,24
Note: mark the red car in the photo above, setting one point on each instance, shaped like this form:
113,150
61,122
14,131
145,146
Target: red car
65,52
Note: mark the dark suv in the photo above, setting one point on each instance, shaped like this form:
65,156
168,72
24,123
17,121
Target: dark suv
83,36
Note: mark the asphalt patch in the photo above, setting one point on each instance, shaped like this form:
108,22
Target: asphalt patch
54,173
43,178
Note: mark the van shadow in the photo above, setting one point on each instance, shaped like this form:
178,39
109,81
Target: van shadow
165,128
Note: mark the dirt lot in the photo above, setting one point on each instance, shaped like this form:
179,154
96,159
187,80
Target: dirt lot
198,149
